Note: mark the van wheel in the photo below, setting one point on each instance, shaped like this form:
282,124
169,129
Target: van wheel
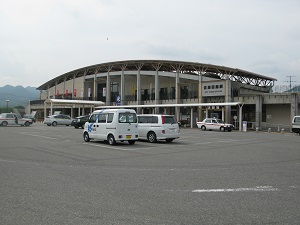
152,137
111,139
131,142
203,128
222,129
169,140
86,137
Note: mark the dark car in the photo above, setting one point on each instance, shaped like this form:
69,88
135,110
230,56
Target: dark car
80,121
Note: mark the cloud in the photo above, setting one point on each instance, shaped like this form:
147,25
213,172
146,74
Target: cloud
44,39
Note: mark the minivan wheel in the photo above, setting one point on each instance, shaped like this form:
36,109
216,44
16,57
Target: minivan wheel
111,139
86,137
131,142
152,137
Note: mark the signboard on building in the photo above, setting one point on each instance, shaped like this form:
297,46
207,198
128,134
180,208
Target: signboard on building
213,89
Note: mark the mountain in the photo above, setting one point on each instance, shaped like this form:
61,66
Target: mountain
17,95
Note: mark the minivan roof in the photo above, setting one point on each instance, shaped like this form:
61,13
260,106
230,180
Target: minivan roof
113,110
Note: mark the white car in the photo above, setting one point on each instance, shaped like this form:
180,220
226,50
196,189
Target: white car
214,124
13,119
296,124
59,119
154,127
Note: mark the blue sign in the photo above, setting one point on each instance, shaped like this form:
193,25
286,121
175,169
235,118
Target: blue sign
118,100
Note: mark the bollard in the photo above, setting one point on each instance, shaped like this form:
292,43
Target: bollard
269,130
256,129
282,131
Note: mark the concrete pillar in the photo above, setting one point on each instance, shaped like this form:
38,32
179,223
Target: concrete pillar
177,95
294,106
122,88
138,90
95,88
258,111
156,89
228,98
108,90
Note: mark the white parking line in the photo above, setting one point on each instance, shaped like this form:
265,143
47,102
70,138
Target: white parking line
35,135
258,188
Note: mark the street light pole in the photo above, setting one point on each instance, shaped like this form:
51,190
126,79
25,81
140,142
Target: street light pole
7,105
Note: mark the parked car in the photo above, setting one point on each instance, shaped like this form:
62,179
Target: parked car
214,124
13,119
59,119
153,127
30,117
296,124
80,121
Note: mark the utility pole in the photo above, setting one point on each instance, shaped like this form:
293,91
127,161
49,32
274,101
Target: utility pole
290,81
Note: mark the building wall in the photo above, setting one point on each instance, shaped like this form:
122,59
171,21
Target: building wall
278,114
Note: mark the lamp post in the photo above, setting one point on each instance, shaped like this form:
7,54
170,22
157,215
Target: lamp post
7,105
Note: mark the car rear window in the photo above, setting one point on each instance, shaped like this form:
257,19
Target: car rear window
169,119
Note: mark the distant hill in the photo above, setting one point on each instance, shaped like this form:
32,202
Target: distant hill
17,95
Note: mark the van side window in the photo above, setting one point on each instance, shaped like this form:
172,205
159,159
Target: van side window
142,119
102,118
154,119
110,117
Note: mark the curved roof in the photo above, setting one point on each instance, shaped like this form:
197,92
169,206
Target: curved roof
193,68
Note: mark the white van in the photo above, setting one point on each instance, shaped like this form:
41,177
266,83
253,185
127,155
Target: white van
112,125
153,127
296,124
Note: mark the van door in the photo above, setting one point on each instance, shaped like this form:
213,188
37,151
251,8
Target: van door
101,127
126,124
92,125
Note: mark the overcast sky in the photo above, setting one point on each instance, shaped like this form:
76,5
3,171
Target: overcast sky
42,39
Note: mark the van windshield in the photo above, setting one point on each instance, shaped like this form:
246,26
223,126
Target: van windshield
127,118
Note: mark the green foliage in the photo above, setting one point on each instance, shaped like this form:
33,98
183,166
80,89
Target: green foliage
6,110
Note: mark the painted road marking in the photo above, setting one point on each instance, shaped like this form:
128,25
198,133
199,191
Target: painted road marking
258,188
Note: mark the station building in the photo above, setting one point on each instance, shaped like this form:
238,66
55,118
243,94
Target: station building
170,87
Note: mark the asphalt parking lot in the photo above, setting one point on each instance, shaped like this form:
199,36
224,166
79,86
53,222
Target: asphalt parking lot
49,175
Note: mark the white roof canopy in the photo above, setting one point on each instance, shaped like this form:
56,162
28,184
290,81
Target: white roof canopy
76,102
172,105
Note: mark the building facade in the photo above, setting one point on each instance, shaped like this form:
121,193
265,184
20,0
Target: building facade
157,82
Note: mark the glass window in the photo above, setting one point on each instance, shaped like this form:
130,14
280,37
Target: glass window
127,118
93,118
102,118
169,119
110,117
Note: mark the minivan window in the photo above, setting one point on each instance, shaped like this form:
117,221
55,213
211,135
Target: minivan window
169,119
127,118
102,118
110,117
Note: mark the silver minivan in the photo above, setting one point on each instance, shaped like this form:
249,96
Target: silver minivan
154,127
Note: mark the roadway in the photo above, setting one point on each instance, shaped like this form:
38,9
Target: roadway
49,175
